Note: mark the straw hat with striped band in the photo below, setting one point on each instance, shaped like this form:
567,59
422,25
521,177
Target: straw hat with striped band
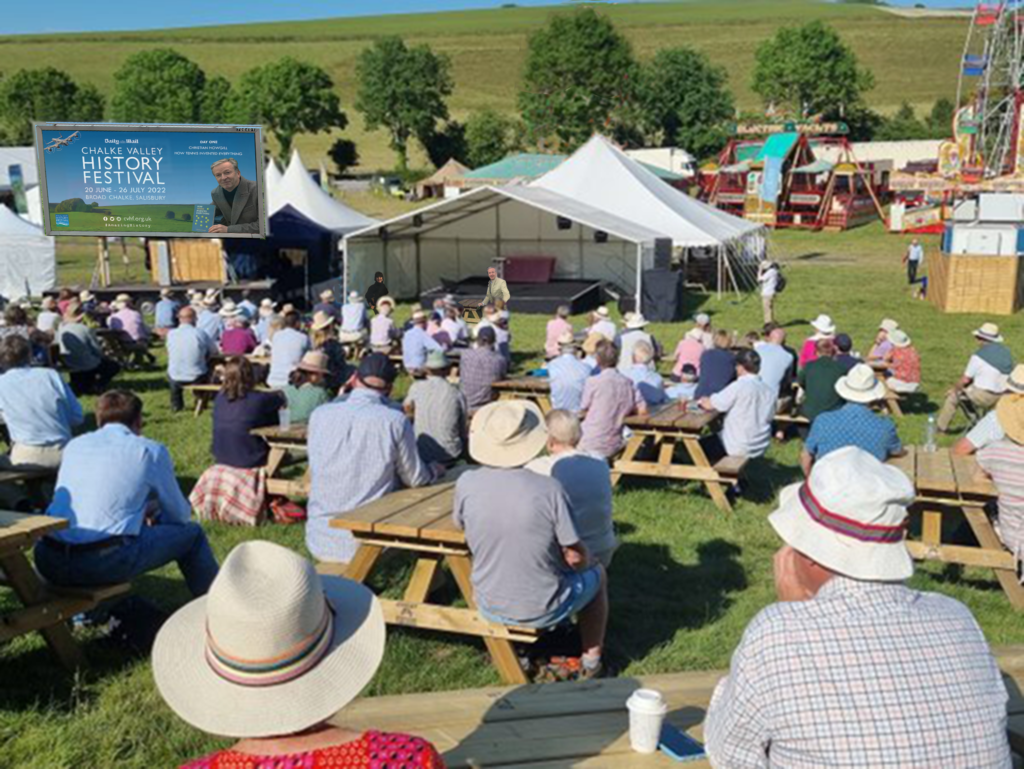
273,649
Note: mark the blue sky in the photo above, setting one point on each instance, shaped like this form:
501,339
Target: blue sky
77,16
186,179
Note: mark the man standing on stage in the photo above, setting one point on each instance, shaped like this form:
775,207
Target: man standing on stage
496,288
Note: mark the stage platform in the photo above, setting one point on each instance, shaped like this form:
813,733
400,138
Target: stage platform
544,298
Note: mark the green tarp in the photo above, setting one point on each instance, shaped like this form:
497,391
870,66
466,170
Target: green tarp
778,146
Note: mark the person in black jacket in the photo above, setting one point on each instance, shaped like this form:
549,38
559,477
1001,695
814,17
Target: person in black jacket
376,291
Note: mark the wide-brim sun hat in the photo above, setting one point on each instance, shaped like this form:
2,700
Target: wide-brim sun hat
860,385
437,361
823,324
888,325
1010,414
637,320
315,362
386,300
566,339
1015,382
849,516
86,296
230,310
702,319
591,342
602,312
321,320
989,332
354,297
507,433
899,338
272,649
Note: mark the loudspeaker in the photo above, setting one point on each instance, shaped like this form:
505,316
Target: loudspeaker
662,295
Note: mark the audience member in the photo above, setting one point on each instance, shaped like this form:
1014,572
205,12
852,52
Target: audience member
608,398
80,352
48,318
327,305
354,322
479,368
818,381
382,329
530,566
557,327
165,315
217,664
851,667
688,351
238,338
210,319
64,298
416,343
686,389
778,364
360,448
749,407
984,379
643,375
247,306
844,352
129,320
632,335
880,356
287,347
989,429
307,387
1002,460
188,351
702,321
589,348
266,313
324,339
567,374
717,367
455,327
587,482
601,323
125,511
375,292
439,412
824,328
854,423
38,408
905,368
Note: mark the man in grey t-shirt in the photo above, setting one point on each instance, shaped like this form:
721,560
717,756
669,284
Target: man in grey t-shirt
439,411
529,566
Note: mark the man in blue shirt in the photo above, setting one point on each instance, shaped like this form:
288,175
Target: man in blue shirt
38,407
327,305
567,375
187,351
209,319
247,306
166,313
286,350
647,380
125,510
854,423
416,343
353,319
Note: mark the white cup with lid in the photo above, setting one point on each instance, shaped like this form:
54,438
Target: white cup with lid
647,709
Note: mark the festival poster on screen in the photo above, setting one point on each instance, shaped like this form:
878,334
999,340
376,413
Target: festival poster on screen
178,181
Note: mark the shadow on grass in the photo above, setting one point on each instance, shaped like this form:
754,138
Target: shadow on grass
765,477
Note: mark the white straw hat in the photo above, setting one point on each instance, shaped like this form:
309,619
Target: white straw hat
507,433
273,649
315,361
86,296
230,310
824,324
888,325
1015,382
354,296
566,339
702,319
989,332
602,312
849,516
860,385
899,338
321,320
637,320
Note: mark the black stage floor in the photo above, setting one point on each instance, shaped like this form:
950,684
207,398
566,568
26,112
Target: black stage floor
580,295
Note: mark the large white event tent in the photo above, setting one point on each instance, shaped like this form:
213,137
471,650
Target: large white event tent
600,213
296,192
28,265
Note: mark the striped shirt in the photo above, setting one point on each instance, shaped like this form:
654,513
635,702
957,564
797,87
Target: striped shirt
866,674
1004,461
479,369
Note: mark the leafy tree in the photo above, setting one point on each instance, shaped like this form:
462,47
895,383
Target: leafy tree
344,154
288,97
215,101
940,119
71,204
902,126
490,136
43,94
403,90
580,77
685,102
158,86
449,142
809,70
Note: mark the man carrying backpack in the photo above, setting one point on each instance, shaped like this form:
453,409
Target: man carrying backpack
770,277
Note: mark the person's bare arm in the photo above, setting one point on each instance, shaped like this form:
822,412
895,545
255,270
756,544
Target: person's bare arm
806,462
963,448
577,556
705,403
642,409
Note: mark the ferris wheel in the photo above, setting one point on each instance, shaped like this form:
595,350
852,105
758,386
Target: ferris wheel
990,94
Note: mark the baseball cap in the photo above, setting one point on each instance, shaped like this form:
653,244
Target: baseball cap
376,371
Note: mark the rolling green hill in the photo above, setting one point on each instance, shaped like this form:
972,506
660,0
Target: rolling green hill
912,59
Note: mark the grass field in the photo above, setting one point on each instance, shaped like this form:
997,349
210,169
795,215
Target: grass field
110,219
913,59
684,585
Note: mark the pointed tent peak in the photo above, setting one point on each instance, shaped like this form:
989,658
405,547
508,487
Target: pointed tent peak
272,176
298,191
295,161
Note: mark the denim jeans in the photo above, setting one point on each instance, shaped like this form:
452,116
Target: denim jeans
155,546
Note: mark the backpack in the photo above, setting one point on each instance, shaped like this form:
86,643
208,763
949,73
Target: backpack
780,282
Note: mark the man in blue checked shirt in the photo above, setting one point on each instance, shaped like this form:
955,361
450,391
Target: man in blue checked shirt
567,375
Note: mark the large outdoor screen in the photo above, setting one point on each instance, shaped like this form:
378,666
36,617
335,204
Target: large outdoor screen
151,180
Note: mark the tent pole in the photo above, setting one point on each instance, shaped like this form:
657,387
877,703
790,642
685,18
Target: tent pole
419,278
639,274
497,236
721,277
458,260
344,266
580,228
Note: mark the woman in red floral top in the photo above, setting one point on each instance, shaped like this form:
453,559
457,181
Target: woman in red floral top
268,656
905,368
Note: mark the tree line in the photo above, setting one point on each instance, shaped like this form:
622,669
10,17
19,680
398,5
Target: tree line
581,75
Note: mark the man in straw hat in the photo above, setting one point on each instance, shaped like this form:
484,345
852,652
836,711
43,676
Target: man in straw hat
439,412
984,379
853,668
601,323
479,368
265,313
383,333
354,321
990,428
130,322
327,305
307,389
90,371
209,319
633,334
567,374
854,423
416,343
360,448
608,398
530,566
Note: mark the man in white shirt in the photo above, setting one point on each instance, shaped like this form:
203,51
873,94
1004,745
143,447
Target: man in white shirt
48,318
768,277
603,324
286,350
778,365
913,259
749,407
984,379
990,430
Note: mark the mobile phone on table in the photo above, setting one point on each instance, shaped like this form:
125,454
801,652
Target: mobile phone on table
677,744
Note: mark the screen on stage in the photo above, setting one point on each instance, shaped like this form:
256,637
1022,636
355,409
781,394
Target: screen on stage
182,181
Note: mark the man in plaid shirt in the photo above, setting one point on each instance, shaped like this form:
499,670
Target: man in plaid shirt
852,668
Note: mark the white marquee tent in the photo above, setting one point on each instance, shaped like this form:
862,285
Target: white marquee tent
296,190
28,266
599,213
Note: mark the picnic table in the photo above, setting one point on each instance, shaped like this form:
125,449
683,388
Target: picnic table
33,478
948,485
531,388
284,443
205,394
664,430
420,522
46,608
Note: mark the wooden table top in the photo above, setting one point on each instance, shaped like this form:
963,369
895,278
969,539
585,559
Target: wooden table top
537,384
296,433
29,528
27,474
942,473
423,514
674,416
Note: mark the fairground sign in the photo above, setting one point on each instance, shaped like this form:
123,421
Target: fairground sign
810,129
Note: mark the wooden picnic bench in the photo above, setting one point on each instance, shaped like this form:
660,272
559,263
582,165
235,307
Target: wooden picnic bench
34,479
420,521
284,444
947,484
47,608
583,725
205,394
664,430
531,388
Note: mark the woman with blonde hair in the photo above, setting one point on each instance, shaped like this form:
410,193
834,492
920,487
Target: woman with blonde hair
324,338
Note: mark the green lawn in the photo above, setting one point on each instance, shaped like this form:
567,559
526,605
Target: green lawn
912,59
685,583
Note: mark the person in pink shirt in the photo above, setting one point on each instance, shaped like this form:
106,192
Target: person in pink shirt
557,326
128,319
689,351
824,328
238,338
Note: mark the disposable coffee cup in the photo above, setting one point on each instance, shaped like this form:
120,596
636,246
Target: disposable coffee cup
284,418
647,709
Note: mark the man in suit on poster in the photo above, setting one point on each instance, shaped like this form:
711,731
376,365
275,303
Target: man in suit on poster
237,199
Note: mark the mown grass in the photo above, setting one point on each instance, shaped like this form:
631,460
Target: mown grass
913,59
684,585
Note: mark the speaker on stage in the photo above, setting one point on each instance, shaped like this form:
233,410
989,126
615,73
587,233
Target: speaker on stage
662,295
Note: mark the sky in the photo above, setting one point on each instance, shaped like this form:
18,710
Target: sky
77,16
